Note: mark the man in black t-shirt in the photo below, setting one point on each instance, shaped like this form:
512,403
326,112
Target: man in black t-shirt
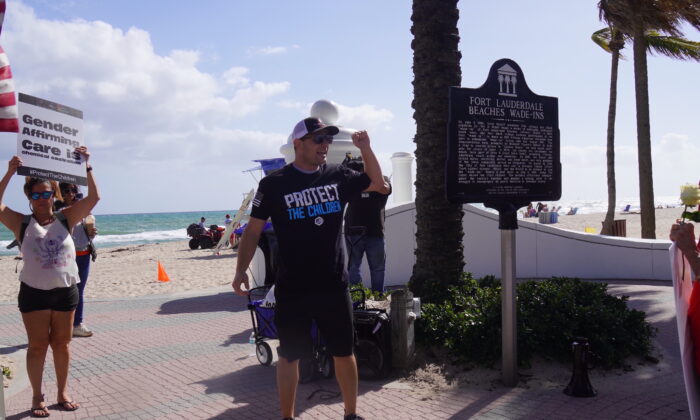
305,201
364,233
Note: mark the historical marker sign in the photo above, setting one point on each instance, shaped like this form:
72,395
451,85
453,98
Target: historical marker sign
503,141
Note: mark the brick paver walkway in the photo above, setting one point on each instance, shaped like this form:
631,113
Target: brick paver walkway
188,357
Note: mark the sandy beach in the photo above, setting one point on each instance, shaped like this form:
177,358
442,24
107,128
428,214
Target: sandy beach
579,222
132,270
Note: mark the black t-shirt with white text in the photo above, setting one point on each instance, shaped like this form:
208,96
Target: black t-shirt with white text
307,215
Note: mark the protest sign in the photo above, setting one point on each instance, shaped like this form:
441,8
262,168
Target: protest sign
47,138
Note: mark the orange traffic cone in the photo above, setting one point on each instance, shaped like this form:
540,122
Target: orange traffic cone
162,275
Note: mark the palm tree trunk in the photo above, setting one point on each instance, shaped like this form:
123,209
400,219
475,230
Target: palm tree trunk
615,45
646,182
439,233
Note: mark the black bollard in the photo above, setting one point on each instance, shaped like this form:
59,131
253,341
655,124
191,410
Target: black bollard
580,385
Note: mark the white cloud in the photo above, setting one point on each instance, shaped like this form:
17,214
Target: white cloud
271,50
236,76
293,105
674,162
368,117
131,96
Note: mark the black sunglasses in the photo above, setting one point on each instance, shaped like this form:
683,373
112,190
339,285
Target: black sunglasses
320,138
69,190
37,195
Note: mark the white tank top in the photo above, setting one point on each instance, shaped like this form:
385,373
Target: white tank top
48,253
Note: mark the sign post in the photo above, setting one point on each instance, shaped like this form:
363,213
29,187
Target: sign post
47,138
503,151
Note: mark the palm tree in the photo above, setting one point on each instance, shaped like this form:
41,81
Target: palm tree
439,233
634,18
612,41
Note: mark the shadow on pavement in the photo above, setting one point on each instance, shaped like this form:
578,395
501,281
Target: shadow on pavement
225,301
254,389
239,338
12,349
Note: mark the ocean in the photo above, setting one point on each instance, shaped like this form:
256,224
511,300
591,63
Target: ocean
137,228
144,228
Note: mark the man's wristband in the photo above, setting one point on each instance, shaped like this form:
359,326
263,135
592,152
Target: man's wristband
89,168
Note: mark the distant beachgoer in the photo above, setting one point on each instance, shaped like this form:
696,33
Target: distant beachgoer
48,292
530,211
82,234
571,212
228,219
539,208
201,223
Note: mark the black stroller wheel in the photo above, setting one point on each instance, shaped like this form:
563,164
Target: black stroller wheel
194,243
326,365
370,360
264,353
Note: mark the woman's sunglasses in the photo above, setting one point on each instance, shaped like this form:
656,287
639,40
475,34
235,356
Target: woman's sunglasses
70,190
320,138
37,195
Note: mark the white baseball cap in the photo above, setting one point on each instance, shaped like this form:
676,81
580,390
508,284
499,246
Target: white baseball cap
312,125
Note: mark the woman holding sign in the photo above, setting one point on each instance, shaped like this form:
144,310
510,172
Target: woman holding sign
48,293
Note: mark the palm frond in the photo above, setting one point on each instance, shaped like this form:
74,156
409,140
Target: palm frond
602,38
671,46
610,39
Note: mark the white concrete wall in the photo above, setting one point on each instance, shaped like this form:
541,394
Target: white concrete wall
542,251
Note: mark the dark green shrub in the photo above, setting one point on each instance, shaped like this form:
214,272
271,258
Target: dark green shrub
550,314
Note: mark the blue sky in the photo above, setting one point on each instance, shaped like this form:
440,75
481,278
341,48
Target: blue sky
179,97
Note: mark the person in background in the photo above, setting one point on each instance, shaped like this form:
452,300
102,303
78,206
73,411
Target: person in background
83,233
48,294
539,208
529,211
201,223
364,232
228,220
305,200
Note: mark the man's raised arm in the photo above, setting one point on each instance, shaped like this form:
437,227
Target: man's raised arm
361,140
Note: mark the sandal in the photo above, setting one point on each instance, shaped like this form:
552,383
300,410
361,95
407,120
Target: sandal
68,405
41,410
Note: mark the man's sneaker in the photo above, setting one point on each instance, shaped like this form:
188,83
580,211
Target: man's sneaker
81,331
353,416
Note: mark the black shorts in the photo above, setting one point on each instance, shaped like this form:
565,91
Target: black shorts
62,299
332,312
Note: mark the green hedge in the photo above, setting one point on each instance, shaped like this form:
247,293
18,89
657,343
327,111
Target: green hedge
550,314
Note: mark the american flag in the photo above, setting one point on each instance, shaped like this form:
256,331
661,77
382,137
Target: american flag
8,102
